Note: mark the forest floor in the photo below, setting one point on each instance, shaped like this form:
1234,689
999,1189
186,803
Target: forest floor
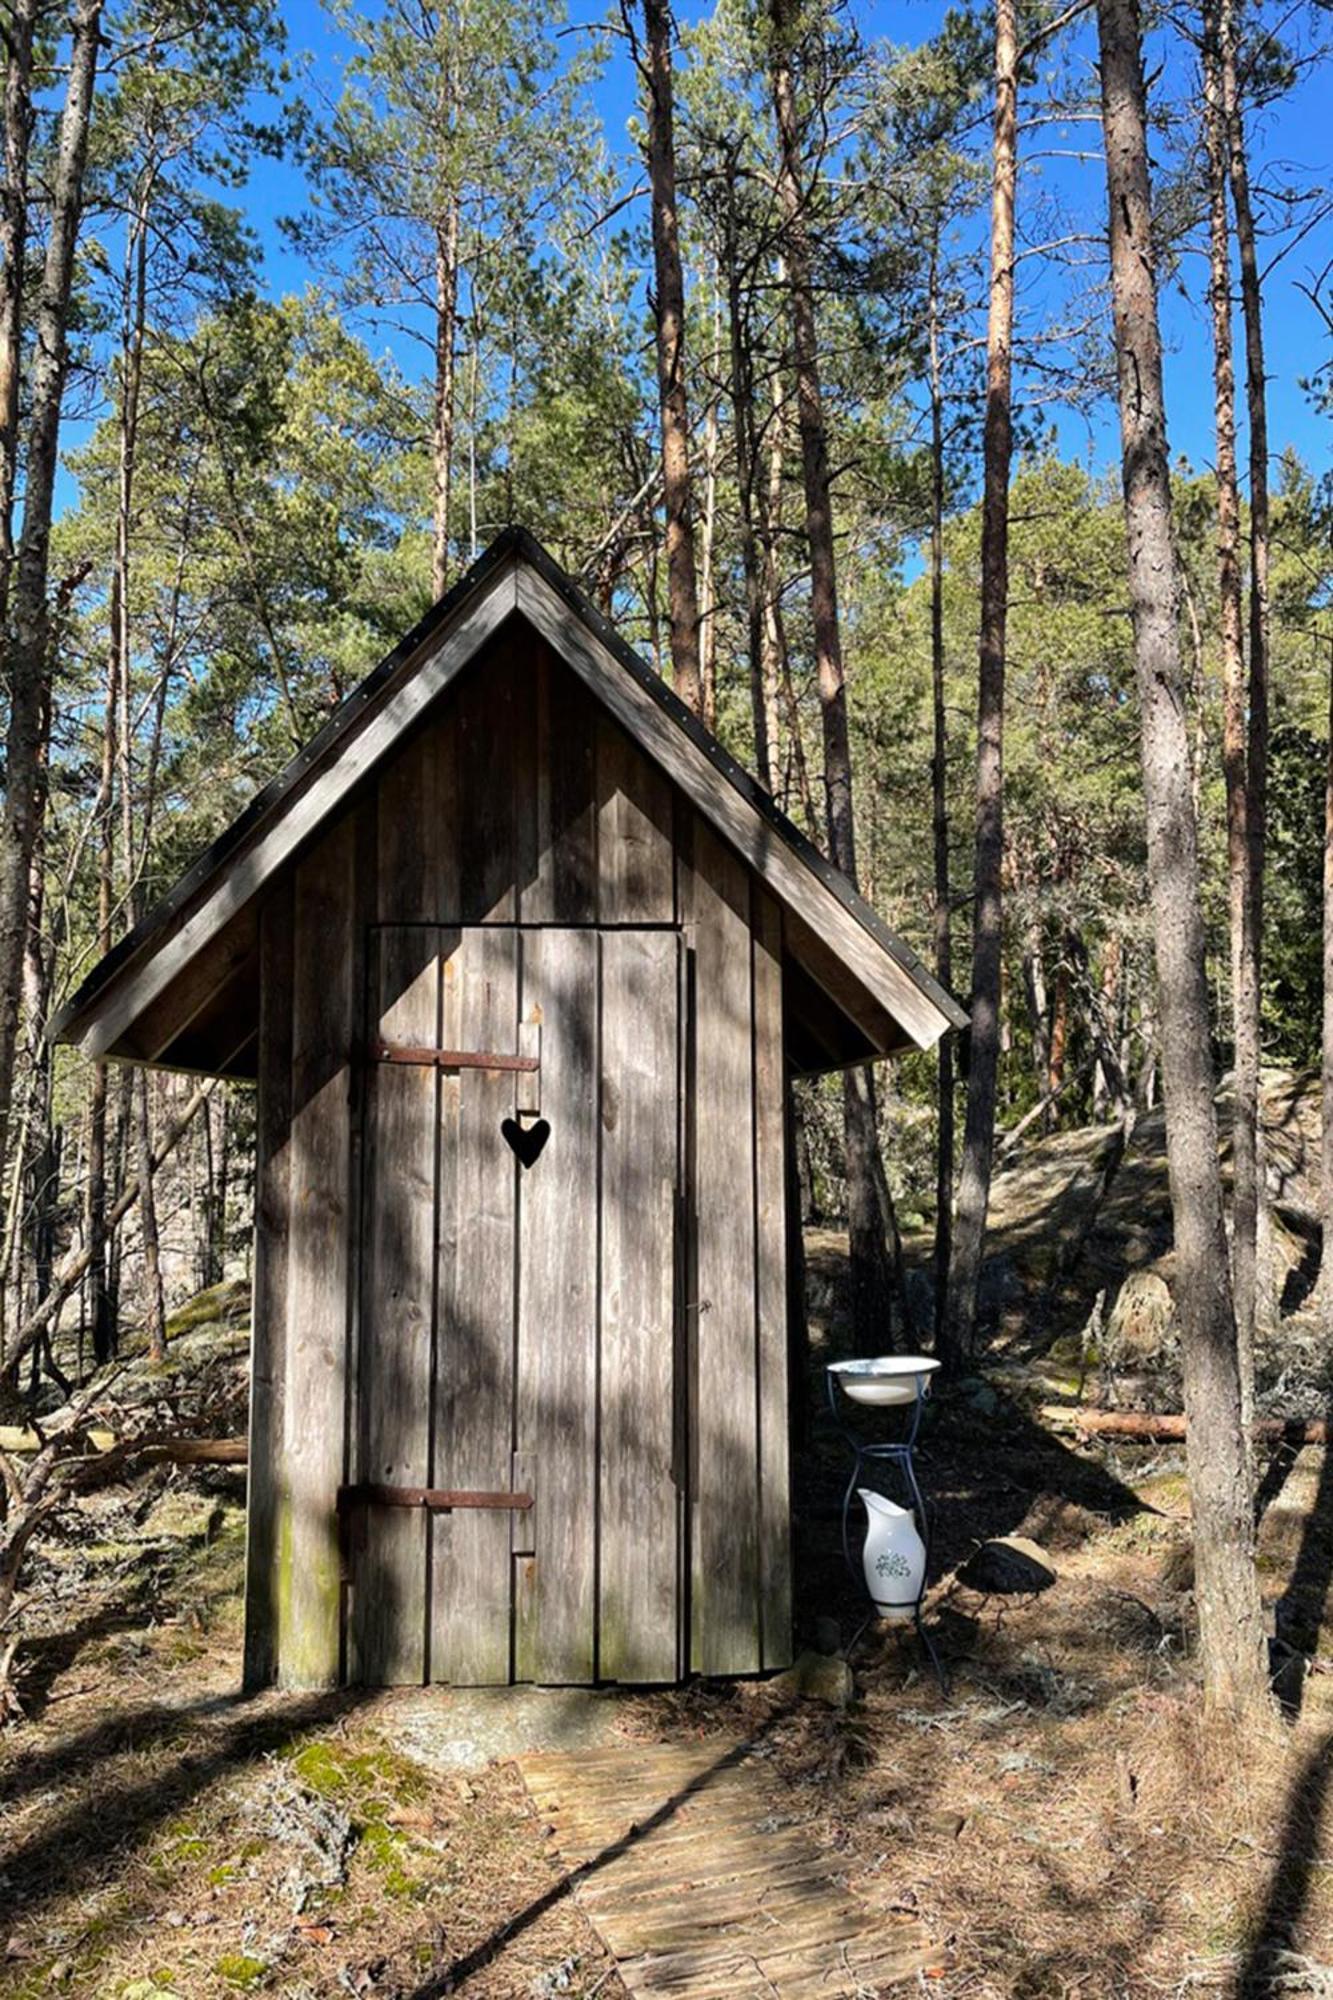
1062,1821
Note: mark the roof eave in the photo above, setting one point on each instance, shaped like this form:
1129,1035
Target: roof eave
515,573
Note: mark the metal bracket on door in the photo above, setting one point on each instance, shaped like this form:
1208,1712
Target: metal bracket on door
396,1052
435,1499
354,1503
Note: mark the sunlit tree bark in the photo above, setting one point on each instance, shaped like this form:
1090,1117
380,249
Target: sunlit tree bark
1231,1631
960,1328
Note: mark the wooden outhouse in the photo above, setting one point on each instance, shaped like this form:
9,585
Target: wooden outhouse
522,962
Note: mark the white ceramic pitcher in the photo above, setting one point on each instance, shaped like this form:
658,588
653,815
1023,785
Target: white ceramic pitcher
894,1557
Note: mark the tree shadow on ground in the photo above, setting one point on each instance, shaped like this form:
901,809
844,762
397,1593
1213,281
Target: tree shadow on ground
1301,1609
446,1979
46,1658
1269,1962
986,1469
104,1816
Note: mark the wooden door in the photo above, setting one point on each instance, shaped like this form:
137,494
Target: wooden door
518,1308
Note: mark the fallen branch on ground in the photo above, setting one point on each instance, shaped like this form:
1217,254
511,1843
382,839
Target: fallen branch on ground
136,1454
1009,1143
68,1464
1160,1426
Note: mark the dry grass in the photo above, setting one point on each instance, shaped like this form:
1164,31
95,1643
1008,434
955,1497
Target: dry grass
158,1843
1064,1820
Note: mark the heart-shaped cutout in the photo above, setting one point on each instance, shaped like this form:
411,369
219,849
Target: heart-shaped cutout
525,1142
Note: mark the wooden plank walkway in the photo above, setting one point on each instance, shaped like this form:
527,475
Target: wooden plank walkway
688,1864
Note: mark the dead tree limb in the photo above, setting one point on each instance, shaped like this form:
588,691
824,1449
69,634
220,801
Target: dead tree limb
45,1315
1162,1427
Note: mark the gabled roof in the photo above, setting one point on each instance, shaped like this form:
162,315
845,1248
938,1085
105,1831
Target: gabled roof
201,931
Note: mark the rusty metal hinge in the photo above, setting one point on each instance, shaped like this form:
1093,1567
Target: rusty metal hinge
396,1052
435,1499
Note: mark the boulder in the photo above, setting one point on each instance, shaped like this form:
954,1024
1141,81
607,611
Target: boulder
979,1396
816,1677
828,1635
1008,1566
1142,1330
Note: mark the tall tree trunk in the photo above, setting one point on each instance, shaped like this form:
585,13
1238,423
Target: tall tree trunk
1231,1630
1244,992
102,1311
18,116
870,1224
987,921
74,1264
221,1175
1247,1246
939,792
1055,1062
708,543
28,663
741,390
669,306
154,1302
1034,988
40,1142
1109,1072
778,689
1326,1046
136,813
442,401
743,447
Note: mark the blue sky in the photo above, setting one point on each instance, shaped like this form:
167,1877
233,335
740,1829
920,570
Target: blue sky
1298,144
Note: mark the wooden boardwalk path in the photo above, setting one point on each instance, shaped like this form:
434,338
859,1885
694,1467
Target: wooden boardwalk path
701,1885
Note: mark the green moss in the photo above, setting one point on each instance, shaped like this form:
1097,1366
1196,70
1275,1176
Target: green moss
324,1768
238,1969
180,1845
1165,1489
225,1872
335,1771
223,1305
386,1851
367,1783
105,1555
35,1983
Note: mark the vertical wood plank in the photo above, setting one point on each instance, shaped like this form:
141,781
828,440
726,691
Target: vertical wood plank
635,843
770,1203
486,738
444,830
323,1029
397,1308
474,1388
725,1542
412,855
570,860
557,1318
266,1498
557,719
637,1575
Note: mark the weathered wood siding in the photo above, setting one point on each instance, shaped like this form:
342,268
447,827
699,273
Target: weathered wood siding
266,1488
516,859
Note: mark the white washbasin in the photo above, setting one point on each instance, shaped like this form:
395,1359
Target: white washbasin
885,1378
